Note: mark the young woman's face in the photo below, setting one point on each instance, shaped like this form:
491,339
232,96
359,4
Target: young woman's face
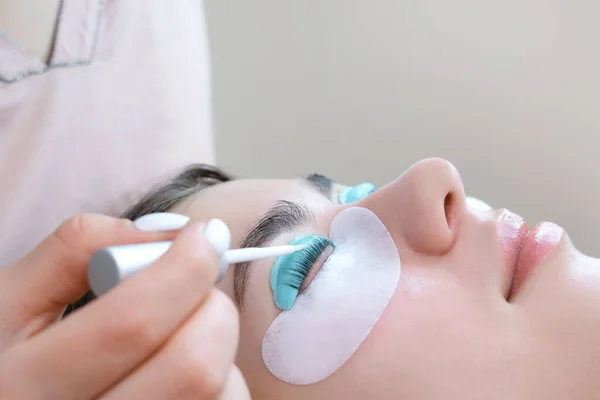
479,312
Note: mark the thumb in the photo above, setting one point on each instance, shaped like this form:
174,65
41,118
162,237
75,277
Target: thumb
54,274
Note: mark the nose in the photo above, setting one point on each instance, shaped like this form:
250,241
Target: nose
422,208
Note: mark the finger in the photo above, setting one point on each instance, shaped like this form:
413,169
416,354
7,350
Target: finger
103,342
54,274
236,388
162,221
195,363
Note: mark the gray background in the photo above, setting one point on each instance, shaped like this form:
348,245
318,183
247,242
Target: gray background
359,90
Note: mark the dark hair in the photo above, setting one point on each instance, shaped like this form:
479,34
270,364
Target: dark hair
163,198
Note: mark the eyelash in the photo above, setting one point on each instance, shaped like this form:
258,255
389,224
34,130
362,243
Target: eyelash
309,257
289,272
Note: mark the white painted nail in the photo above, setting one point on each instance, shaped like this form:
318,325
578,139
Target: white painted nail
161,222
478,205
218,235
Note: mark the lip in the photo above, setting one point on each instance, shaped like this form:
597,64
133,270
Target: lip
512,231
539,243
524,248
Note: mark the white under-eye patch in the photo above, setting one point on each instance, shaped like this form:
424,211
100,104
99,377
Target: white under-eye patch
335,314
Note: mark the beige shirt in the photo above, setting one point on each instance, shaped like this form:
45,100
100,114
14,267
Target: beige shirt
123,102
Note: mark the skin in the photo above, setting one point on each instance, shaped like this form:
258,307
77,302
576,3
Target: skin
449,331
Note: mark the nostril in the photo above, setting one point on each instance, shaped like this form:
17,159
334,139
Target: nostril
449,208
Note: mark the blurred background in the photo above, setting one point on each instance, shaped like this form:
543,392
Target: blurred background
359,90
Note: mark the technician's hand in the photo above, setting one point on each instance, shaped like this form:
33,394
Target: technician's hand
164,333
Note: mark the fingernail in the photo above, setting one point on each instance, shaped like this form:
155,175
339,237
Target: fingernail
218,235
161,222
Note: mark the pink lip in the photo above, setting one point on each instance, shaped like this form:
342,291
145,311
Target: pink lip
540,242
524,248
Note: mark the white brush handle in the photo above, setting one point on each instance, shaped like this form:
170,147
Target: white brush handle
111,265
258,253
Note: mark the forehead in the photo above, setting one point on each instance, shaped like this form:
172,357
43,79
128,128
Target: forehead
240,203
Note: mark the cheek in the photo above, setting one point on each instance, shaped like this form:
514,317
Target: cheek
417,318
433,327
254,321
259,310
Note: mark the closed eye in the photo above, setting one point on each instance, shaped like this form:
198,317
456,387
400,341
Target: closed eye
284,216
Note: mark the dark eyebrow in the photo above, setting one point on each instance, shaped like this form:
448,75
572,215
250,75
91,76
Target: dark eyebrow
282,217
321,184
